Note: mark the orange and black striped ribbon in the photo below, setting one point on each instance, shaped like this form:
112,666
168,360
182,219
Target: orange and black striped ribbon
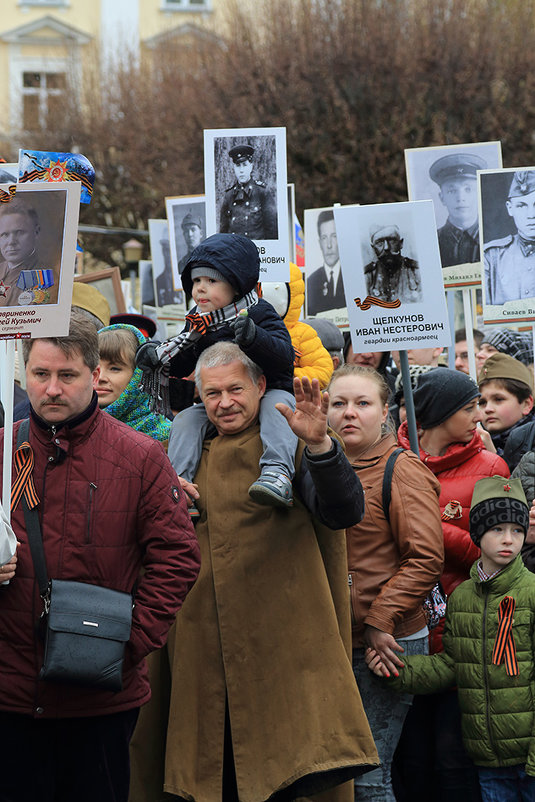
200,323
33,175
5,197
453,509
504,645
370,301
23,485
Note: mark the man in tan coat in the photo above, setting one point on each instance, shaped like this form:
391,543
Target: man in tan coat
263,698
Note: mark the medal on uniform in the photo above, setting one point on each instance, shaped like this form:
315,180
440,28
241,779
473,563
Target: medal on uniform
25,298
37,283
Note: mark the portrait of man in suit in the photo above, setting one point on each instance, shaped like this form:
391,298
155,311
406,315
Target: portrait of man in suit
325,288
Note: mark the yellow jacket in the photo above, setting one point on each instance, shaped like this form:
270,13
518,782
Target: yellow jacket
311,359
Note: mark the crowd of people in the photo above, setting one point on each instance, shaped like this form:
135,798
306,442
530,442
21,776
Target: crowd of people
288,476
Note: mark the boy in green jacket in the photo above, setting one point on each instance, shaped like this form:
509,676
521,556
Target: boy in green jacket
489,648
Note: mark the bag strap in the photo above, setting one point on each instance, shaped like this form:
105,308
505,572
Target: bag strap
33,527
387,481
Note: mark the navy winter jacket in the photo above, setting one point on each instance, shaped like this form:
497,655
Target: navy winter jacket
237,259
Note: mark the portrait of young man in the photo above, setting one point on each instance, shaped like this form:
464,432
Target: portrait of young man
325,286
249,206
456,177
509,261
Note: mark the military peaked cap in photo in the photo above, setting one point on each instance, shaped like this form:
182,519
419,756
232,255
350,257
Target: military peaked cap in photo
241,153
191,220
523,183
456,165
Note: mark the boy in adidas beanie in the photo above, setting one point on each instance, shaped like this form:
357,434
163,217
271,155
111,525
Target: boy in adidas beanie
488,647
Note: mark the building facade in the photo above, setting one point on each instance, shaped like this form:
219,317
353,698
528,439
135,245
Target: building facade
48,46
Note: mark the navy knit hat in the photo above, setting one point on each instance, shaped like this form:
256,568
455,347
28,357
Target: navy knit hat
440,394
513,343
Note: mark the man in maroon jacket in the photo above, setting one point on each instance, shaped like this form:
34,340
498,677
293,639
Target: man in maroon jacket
109,506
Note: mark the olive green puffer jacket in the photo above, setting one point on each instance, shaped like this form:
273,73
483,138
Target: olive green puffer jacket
498,711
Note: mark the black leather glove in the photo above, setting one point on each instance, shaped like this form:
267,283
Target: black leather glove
244,330
146,356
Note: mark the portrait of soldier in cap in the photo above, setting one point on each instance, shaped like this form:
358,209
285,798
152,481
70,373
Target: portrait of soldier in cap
456,176
509,262
192,227
325,286
249,207
391,276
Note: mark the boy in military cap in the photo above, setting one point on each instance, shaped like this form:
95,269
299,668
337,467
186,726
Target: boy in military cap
248,206
506,404
488,647
509,262
458,238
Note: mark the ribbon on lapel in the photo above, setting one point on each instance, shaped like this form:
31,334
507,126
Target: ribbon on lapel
23,484
504,645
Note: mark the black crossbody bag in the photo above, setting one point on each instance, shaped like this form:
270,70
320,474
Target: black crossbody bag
86,626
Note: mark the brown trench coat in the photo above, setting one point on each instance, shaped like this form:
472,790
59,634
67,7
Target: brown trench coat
262,626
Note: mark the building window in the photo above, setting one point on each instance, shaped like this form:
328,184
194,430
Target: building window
43,2
42,98
186,5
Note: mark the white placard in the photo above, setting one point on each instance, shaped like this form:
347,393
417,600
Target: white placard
392,276
38,230
186,217
507,213
165,293
250,197
448,176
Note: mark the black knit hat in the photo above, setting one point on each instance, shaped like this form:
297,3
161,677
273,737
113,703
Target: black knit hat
440,394
497,501
415,371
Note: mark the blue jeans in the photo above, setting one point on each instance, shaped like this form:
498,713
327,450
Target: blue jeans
510,784
386,711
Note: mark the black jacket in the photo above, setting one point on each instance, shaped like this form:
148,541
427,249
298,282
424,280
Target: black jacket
238,260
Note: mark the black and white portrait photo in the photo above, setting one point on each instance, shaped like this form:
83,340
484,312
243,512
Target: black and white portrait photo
448,176
246,186
508,237
162,269
324,281
391,274
186,217
246,192
146,283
